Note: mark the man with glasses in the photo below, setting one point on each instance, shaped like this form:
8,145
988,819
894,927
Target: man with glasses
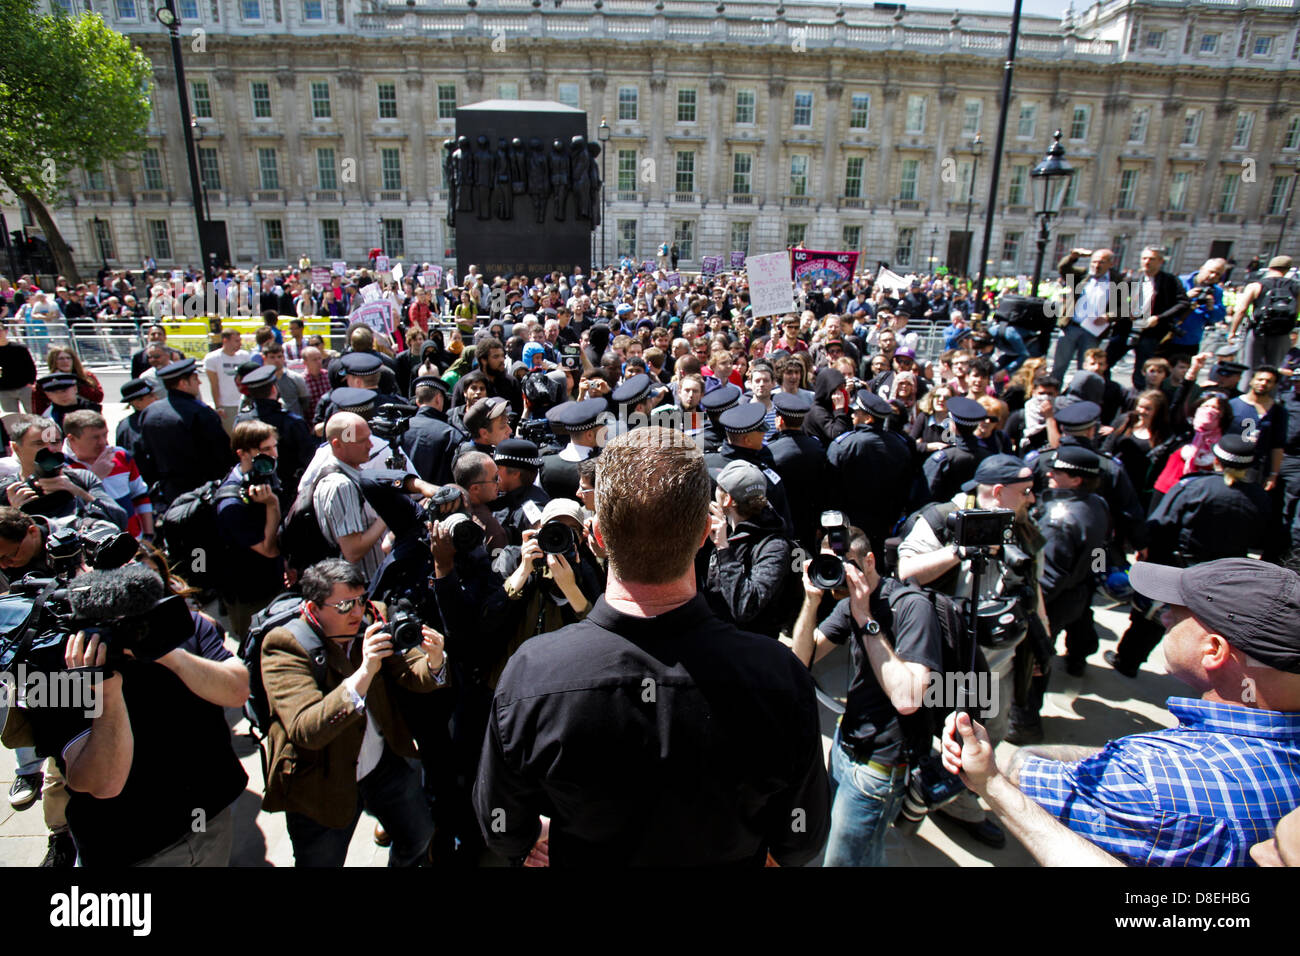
185,438
477,473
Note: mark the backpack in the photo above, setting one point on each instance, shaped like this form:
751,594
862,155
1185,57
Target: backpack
194,544
935,514
301,541
1275,312
957,669
285,611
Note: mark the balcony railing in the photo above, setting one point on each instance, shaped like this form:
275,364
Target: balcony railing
851,202
268,195
689,197
798,200
742,199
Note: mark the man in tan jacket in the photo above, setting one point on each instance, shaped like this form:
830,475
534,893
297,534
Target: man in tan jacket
338,745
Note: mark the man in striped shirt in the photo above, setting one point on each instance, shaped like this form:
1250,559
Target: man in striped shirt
86,445
1201,793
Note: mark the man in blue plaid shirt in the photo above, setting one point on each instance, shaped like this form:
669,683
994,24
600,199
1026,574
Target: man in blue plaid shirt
1202,793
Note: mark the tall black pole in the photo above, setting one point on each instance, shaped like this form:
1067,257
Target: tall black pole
182,90
1043,219
1008,69
604,216
970,204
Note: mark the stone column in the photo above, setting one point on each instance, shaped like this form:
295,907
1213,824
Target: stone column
772,153
830,143
295,186
714,122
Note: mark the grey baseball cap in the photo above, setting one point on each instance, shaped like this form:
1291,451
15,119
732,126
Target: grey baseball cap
742,480
1253,604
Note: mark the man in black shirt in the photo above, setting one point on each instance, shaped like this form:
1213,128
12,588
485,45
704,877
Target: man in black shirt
249,523
17,373
896,646
652,733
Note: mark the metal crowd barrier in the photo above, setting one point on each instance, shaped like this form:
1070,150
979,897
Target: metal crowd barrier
98,345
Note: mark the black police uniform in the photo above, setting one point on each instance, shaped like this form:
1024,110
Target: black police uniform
387,372
185,439
559,470
431,442
56,413
521,508
949,468
1074,526
800,460
874,468
713,404
129,436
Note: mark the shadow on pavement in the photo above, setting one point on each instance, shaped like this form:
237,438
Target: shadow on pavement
249,841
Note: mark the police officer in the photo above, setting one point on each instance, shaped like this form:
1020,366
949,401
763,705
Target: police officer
581,422
522,499
362,343
60,390
873,468
1205,517
362,370
297,444
1078,424
800,460
431,440
949,468
139,393
713,404
184,437
744,427
631,403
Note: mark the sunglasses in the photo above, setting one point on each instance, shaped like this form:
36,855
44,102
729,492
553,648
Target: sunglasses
346,605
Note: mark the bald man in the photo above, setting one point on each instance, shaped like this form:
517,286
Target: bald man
1094,297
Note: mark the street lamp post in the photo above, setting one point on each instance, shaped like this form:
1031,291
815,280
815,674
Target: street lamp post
198,132
1051,177
168,18
977,150
603,134
99,241
934,237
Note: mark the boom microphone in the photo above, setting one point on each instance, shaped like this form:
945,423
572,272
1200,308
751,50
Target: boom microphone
122,592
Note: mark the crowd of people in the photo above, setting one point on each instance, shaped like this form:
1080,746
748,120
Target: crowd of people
542,571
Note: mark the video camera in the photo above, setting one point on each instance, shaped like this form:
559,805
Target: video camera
100,544
262,472
390,421
981,528
49,464
536,430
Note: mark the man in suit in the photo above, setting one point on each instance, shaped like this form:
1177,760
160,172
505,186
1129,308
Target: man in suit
1095,296
1157,301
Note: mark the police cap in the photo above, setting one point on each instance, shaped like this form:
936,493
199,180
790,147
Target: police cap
742,419
136,388
965,411
576,417
871,403
1235,451
263,375
792,408
633,390
517,453
56,380
359,400
1076,460
361,363
1077,416
720,399
432,381
177,370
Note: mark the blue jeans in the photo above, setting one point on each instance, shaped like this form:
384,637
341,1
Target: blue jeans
391,792
1074,341
864,805
28,762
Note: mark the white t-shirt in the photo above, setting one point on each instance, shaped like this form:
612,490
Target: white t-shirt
224,366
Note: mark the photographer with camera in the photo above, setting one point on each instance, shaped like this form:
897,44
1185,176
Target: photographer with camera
1205,292
44,485
248,517
86,446
896,644
338,744
296,442
477,474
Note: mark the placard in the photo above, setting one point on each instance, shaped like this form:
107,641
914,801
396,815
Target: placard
771,291
370,292
378,315
673,280
339,268
381,263
710,265
431,277
397,272
648,265
320,276
830,267
737,260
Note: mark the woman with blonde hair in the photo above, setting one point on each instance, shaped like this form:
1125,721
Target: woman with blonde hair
62,359
1021,385
931,421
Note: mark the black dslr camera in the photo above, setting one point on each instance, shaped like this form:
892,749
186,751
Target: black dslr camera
405,626
536,430
101,544
390,422
466,535
49,464
827,570
556,537
262,472
980,527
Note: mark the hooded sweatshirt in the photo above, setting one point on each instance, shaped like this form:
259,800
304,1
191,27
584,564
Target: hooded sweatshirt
823,422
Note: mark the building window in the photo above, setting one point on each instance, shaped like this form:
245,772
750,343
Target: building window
1154,39
1228,195
1179,184
62,6
1016,188
331,243
685,182
1192,127
189,10
627,108
1128,180
160,243
795,233
851,238
972,112
965,169
803,108
626,239
1137,128
627,170
1079,122
907,179
1292,140
96,180
567,93
684,236
853,167
320,100
209,168
745,107
200,99
508,91
126,9
740,237
799,175
151,165
1241,135
251,9
313,9
268,169
1027,121
394,238
273,233
103,238
905,247
1281,193
686,106
387,95
915,122
446,101
742,174
1064,243
326,171
390,167
1209,43
261,93
859,111
1071,193
1011,248
1263,46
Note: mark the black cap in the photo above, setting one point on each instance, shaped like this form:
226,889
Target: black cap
720,399
517,453
177,370
575,417
871,403
1227,369
361,363
262,375
1254,605
56,380
965,411
433,380
359,400
135,388
792,408
999,470
741,419
1235,451
1077,416
1076,460
633,390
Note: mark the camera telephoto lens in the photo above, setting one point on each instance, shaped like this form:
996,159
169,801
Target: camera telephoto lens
826,572
465,534
556,537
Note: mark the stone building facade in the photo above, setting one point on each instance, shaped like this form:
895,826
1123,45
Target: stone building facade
733,126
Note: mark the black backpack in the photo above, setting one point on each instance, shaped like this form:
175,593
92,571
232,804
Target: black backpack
301,540
1275,311
196,549
285,611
